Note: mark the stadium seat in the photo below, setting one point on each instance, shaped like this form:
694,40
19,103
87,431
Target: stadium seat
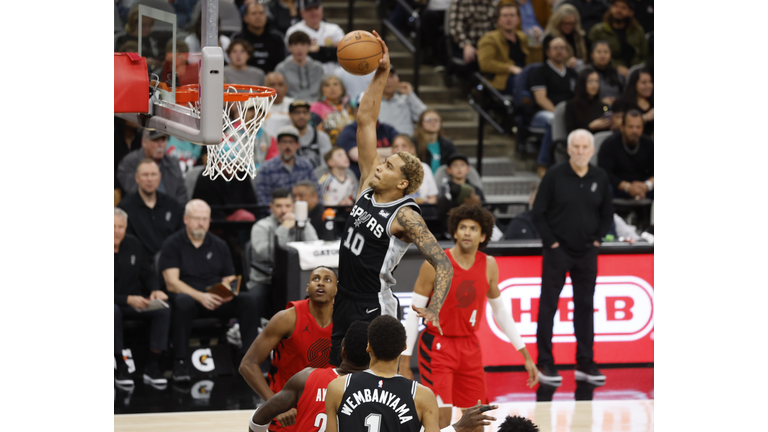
599,138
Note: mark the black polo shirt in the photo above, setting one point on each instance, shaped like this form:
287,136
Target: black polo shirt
573,210
152,225
620,164
198,267
132,273
559,85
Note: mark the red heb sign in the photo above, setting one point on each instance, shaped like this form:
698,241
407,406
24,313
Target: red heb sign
623,312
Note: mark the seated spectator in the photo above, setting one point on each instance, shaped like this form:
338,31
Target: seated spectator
624,35
238,71
324,36
638,95
468,21
191,260
278,114
354,85
305,190
385,134
187,153
220,192
590,11
314,144
284,14
611,82
502,52
283,171
333,108
281,223
154,215
135,285
551,84
627,157
150,47
432,147
153,146
186,66
566,23
303,74
267,43
427,192
586,110
196,35
400,107
521,227
338,187
458,168
265,145
450,196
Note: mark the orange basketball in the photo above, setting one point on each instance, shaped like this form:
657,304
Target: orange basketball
359,52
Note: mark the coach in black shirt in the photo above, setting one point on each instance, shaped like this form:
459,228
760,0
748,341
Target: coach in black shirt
154,215
572,212
627,157
191,260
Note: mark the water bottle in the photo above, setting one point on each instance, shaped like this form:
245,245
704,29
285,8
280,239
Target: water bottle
329,225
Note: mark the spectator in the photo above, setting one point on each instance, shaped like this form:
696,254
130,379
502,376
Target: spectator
638,95
313,143
433,31
305,190
468,21
238,71
611,82
534,15
551,84
187,153
502,52
450,196
400,107
278,114
627,157
624,35
590,11
521,227
333,108
285,171
458,168
427,192
302,73
191,260
281,223
186,69
572,213
338,187
154,215
566,23
153,146
284,14
354,85
268,46
324,36
432,147
133,281
220,192
265,145
150,47
193,39
385,134
586,110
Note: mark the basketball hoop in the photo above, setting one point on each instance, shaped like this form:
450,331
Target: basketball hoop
234,156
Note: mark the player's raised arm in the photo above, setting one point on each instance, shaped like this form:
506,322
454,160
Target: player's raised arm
284,401
332,401
367,116
417,232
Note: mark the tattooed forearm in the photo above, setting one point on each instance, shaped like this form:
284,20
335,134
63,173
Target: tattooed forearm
419,234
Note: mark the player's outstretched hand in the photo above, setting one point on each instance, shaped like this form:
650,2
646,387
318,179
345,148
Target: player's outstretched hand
287,418
474,418
429,316
533,373
384,62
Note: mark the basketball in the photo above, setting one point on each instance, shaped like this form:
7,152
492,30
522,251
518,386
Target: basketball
359,52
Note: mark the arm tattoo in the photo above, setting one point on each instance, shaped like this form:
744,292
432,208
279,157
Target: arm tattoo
419,234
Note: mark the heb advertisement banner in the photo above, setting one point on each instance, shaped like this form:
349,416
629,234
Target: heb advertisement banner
623,312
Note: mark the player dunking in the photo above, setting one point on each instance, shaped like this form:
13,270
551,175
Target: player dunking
451,363
380,227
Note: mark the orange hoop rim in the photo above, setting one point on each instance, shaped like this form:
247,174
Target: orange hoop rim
190,93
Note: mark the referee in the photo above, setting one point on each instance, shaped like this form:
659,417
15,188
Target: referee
572,212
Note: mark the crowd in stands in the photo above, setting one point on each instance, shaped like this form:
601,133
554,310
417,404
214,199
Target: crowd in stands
592,58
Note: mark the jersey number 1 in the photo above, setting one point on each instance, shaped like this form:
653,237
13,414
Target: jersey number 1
357,244
373,422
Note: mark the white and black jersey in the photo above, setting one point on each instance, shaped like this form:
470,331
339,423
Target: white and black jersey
378,404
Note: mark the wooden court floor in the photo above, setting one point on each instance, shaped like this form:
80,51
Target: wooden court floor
557,416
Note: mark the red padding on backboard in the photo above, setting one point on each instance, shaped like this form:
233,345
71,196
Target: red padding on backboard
131,83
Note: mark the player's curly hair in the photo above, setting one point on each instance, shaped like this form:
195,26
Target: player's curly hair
412,171
386,336
355,342
475,213
518,424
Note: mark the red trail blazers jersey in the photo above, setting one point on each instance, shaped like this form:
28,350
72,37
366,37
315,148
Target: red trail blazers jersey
310,411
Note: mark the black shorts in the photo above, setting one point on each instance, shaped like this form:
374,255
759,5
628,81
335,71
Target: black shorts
349,307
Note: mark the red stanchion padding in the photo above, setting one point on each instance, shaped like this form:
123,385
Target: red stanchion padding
131,83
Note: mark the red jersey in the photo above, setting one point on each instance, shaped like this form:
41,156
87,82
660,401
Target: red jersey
309,345
310,412
464,305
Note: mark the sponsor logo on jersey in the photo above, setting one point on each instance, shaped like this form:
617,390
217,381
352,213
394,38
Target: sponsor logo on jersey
384,213
362,217
202,360
383,397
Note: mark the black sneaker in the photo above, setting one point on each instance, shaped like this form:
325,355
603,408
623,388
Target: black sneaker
180,371
589,373
548,374
153,375
122,377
